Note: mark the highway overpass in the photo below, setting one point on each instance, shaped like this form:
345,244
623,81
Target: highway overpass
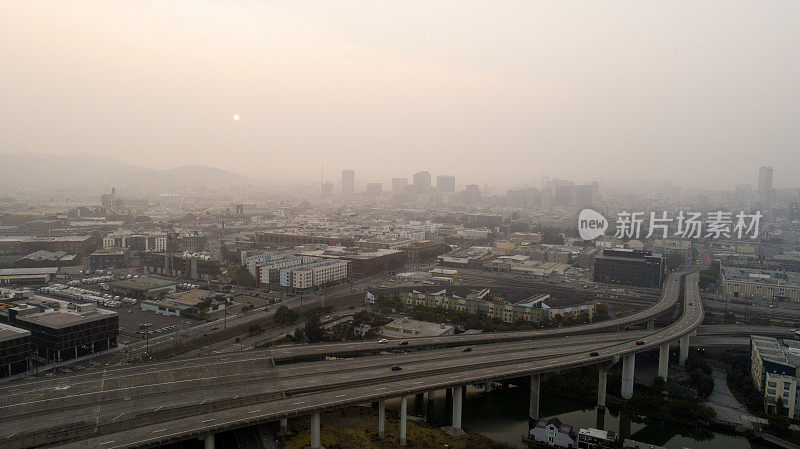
153,404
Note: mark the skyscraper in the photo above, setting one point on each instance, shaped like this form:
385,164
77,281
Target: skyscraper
445,184
422,182
348,182
399,185
764,182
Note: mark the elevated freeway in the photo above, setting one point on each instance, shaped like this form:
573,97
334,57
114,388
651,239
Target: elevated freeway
154,404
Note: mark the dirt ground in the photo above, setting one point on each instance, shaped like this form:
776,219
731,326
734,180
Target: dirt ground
356,428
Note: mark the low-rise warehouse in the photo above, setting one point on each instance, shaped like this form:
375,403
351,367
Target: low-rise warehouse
147,287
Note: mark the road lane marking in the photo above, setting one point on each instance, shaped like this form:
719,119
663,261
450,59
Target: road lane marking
118,416
159,430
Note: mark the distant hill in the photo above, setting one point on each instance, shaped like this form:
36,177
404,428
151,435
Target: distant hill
35,171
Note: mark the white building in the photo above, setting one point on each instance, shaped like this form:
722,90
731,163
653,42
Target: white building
552,432
315,274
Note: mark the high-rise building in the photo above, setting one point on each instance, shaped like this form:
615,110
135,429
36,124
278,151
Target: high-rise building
422,182
445,184
348,182
399,185
109,201
327,189
586,194
764,182
472,194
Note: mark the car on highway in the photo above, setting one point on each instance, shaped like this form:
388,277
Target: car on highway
403,343
396,368
383,341
691,304
594,354
467,349
639,342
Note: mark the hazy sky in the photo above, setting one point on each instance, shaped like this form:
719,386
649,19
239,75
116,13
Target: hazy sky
699,92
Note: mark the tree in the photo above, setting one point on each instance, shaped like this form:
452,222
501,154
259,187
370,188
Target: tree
313,330
241,276
780,409
674,260
285,316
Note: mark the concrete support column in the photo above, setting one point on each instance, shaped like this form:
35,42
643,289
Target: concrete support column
284,425
651,324
533,410
315,442
628,369
684,352
403,417
663,360
209,441
431,394
457,406
381,419
602,379
76,352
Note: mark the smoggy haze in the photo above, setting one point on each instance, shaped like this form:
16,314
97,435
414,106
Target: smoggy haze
698,92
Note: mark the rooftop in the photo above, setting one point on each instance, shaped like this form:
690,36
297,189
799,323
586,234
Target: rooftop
10,332
144,284
60,314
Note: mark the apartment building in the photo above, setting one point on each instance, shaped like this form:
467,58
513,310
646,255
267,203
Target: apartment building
531,310
774,368
305,277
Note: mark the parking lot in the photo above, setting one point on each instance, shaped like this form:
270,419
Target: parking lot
130,318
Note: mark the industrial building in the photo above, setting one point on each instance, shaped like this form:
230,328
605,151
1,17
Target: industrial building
44,258
26,244
193,302
629,267
746,283
407,328
15,350
27,276
144,287
362,261
108,258
62,330
187,265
